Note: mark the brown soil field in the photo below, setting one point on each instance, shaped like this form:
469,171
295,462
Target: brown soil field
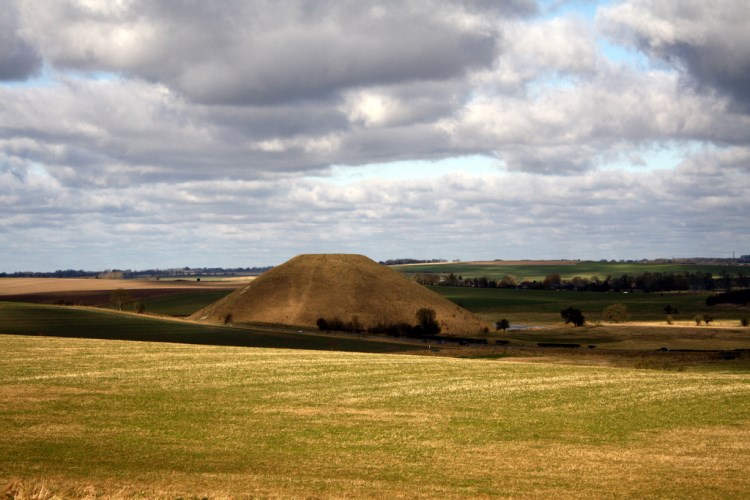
92,298
24,286
82,291
309,287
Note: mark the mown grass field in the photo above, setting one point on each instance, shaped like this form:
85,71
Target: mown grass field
569,270
157,420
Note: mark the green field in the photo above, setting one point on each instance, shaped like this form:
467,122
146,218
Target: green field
149,420
544,306
60,321
532,307
183,303
584,269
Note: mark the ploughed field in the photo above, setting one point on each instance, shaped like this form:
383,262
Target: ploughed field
97,292
84,417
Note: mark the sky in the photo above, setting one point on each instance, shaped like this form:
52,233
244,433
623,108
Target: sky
141,134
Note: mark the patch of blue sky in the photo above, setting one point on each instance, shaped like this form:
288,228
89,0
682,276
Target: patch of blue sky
661,157
555,81
620,54
50,77
475,165
583,8
587,10
43,78
99,76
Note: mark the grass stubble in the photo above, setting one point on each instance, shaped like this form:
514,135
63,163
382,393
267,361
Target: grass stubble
102,418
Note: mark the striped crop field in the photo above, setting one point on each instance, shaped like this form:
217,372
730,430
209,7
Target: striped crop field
537,270
125,419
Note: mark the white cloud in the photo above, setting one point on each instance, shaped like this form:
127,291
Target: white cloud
19,59
263,51
708,41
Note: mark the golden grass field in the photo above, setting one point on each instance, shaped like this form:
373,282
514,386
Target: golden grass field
113,419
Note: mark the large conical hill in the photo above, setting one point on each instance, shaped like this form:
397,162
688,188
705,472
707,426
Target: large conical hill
340,286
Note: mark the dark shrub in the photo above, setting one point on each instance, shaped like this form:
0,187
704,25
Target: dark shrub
739,297
616,313
427,321
573,315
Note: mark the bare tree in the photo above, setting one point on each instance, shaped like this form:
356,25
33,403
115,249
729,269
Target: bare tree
120,298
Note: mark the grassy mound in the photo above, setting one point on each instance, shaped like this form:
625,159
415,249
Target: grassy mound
309,287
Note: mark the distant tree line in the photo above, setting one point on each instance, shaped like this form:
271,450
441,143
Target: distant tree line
69,273
646,282
146,273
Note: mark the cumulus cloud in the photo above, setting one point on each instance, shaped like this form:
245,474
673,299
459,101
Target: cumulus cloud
265,52
18,58
536,92
708,41
511,215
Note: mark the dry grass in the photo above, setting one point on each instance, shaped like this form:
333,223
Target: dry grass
106,419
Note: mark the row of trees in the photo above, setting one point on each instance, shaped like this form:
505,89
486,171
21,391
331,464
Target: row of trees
618,313
647,282
426,325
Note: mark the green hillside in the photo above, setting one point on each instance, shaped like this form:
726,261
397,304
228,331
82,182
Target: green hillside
60,321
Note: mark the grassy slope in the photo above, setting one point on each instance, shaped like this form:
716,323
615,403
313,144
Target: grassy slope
183,304
59,321
166,420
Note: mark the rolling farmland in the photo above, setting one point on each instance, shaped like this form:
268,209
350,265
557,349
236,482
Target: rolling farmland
543,306
537,270
98,403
